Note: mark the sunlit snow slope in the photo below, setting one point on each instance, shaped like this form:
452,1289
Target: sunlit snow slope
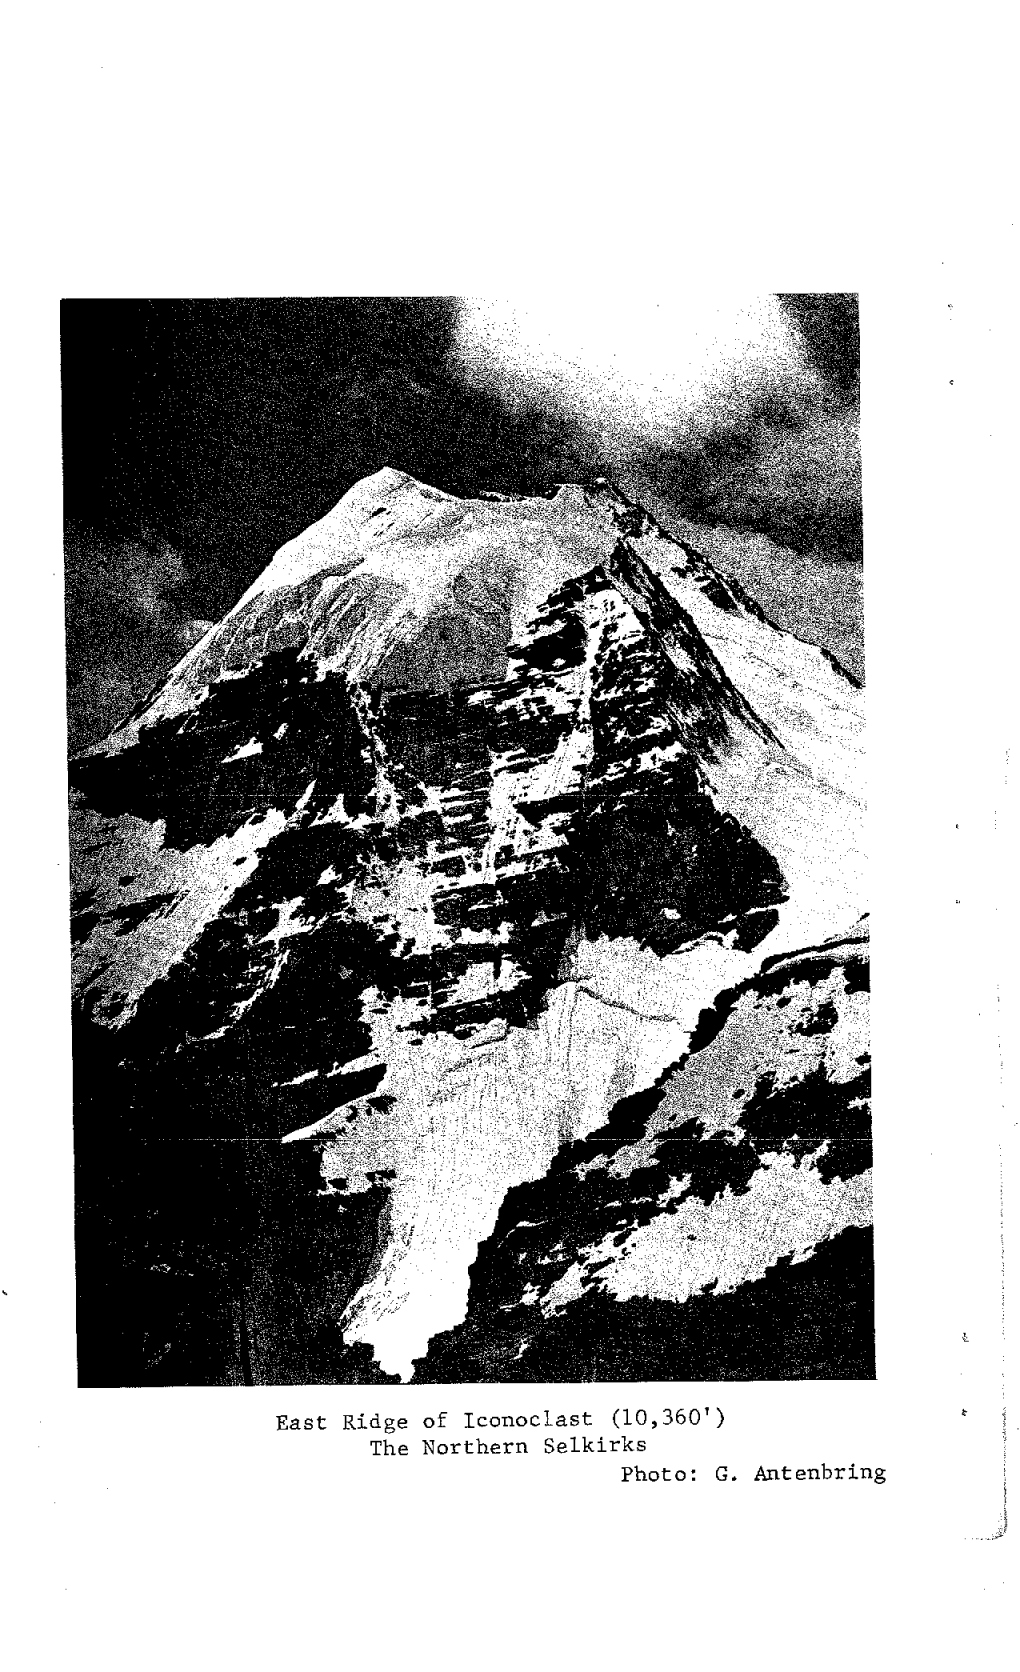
420,864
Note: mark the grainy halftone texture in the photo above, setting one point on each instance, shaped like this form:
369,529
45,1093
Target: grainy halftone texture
470,970
215,431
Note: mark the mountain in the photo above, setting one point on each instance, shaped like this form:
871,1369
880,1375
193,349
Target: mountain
491,859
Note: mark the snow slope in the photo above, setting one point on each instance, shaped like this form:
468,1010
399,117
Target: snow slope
439,846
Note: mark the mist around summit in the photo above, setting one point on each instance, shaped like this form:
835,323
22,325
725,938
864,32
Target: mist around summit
200,436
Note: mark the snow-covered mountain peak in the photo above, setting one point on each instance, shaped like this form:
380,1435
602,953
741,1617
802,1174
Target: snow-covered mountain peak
403,585
440,844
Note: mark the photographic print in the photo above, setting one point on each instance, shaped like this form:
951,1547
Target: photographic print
469,896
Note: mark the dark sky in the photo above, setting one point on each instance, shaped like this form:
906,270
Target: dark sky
200,435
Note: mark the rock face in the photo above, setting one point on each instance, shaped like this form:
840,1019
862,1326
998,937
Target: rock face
466,964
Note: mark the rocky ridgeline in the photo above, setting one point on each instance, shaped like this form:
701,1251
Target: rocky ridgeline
410,894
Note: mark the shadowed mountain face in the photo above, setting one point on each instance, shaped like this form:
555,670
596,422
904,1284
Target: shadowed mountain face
722,1213
402,911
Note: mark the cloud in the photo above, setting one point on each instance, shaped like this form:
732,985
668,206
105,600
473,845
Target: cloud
736,422
640,372
224,429
741,412
128,621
